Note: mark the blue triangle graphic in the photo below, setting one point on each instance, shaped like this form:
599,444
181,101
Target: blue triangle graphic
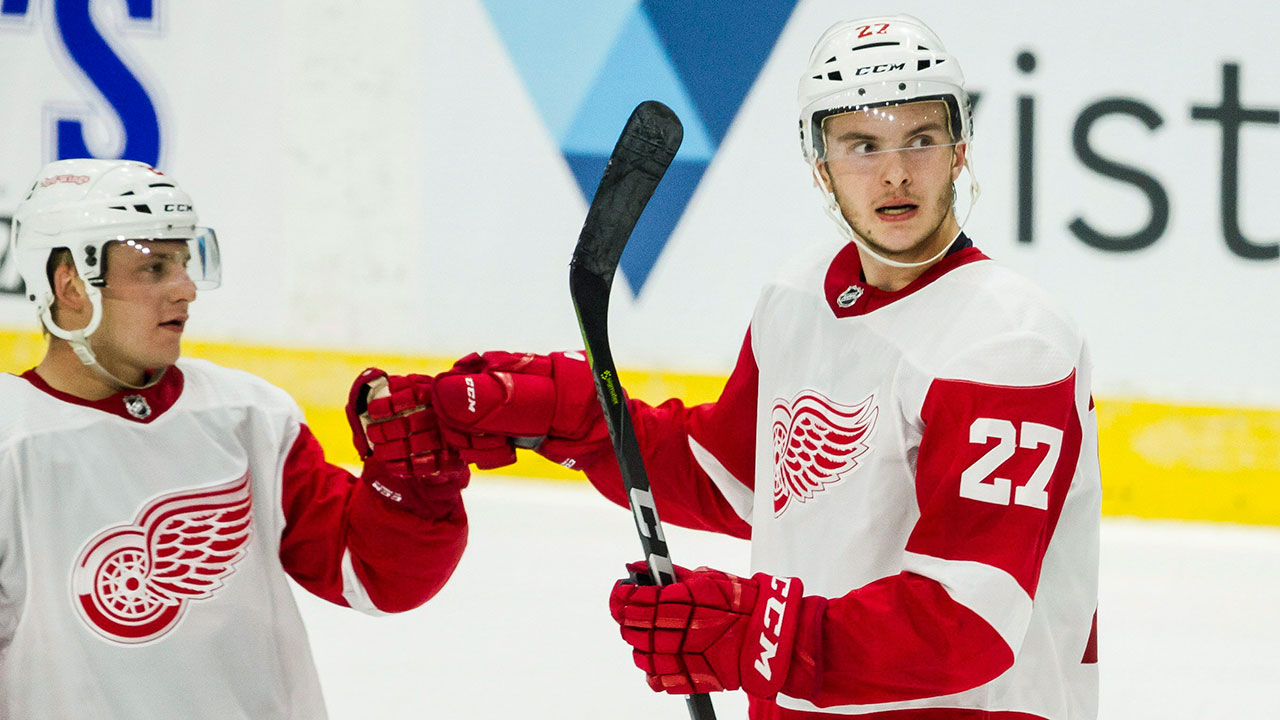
559,48
588,63
718,49
636,69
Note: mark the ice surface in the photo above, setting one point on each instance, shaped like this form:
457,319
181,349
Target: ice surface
1189,625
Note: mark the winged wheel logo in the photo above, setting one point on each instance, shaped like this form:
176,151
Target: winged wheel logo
132,583
817,442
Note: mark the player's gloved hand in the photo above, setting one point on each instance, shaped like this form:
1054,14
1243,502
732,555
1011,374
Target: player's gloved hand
492,403
397,435
709,630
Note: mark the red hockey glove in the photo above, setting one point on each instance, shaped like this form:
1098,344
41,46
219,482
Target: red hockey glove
397,435
710,630
489,404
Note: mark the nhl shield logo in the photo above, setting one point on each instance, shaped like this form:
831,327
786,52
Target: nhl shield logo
132,583
137,406
850,296
817,442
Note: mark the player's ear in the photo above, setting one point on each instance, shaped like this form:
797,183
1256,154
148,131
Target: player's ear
68,289
958,160
824,175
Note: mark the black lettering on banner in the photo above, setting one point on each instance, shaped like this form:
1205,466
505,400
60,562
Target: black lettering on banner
1157,198
1231,115
1026,145
10,281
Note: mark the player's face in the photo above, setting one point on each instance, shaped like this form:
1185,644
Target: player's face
144,306
892,169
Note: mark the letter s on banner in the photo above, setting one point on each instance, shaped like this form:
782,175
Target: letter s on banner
113,79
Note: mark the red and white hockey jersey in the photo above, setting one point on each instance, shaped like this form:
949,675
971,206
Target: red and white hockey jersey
926,462
145,540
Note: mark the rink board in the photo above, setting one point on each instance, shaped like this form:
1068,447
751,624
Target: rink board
1159,460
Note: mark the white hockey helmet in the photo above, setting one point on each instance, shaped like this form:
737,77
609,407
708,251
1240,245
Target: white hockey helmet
84,204
874,62
877,62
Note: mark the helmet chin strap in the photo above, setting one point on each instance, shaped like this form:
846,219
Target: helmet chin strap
85,353
832,206
79,341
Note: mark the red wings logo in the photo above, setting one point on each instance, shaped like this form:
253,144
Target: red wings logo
816,442
131,583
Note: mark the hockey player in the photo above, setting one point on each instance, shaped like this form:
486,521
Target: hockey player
908,439
151,507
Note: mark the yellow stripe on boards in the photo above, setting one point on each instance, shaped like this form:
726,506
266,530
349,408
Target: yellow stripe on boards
1190,462
20,351
1158,460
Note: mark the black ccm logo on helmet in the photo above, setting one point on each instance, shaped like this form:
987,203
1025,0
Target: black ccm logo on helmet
883,67
179,207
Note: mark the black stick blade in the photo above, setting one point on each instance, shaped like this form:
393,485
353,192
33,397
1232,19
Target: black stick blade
645,149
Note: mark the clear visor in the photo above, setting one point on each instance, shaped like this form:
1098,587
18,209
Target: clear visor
863,140
162,260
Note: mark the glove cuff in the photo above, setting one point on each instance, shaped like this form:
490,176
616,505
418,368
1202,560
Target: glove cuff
435,497
577,409
771,635
578,436
804,677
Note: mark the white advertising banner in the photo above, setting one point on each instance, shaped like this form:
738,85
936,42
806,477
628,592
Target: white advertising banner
412,176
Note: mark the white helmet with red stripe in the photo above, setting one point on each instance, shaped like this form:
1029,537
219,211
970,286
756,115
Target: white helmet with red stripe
873,62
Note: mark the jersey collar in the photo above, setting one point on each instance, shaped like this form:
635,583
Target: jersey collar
140,406
848,294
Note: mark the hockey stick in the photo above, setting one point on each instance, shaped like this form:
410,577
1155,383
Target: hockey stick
640,158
